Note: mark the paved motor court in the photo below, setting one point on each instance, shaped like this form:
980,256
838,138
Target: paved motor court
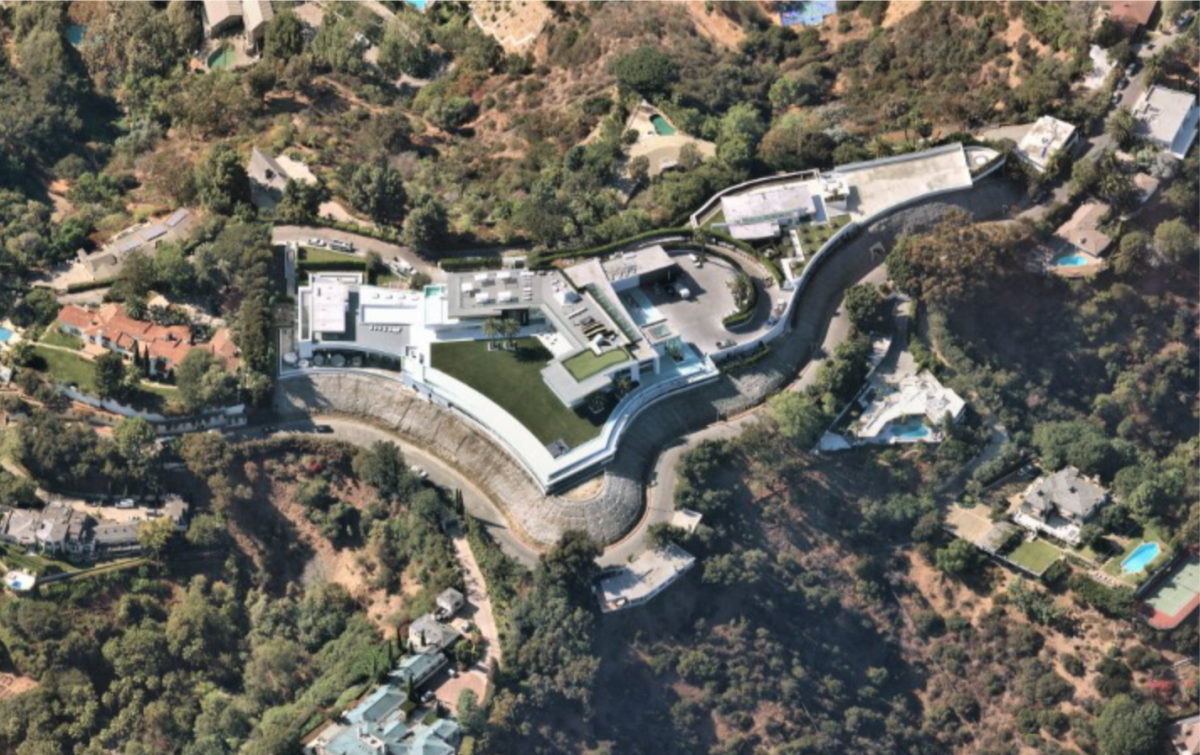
697,320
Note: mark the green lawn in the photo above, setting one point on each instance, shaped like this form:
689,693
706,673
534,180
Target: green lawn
75,369
55,337
14,557
513,380
583,365
67,368
313,254
1036,556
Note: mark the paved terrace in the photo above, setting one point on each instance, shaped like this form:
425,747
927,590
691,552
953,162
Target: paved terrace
617,507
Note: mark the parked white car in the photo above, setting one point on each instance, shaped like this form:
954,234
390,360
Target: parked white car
314,241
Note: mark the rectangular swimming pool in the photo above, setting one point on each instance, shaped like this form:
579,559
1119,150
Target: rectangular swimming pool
640,309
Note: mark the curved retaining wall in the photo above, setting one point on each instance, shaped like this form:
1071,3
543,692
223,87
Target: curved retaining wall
457,442
616,508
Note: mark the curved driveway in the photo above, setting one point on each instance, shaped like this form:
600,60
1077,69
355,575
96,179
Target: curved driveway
722,409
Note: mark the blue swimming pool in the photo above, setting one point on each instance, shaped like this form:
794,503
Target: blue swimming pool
1140,558
75,34
806,12
5,334
911,428
640,309
1071,259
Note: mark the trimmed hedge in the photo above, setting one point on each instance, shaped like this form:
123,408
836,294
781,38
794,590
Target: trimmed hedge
349,264
391,237
464,264
75,288
543,259
745,313
741,362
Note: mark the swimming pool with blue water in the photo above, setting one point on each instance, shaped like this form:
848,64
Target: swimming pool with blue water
1140,558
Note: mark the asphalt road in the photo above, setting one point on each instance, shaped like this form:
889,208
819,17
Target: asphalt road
282,234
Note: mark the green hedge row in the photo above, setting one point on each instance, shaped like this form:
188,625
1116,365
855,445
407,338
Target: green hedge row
391,237
742,362
462,264
349,264
75,288
543,259
737,318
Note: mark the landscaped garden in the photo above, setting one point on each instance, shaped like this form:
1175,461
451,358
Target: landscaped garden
73,369
587,363
1139,558
512,379
1035,556
814,235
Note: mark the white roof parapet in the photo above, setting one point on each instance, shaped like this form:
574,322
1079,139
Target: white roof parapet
917,395
1046,138
1168,118
647,575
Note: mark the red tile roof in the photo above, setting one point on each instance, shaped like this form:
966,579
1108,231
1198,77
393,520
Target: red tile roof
1130,15
169,343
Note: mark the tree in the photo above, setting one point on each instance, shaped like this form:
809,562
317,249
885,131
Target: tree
137,443
491,329
1131,255
572,564
221,181
739,134
404,49
509,328
957,558
1121,126
639,170
647,71
377,191
471,716
301,201
185,23
1126,727
203,382
155,535
110,375
799,420
954,261
866,307
37,308
808,86
1176,241
426,224
284,36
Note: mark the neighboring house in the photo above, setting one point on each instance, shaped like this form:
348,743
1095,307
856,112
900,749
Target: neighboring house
1185,736
60,530
221,16
449,602
1060,504
386,722
428,635
910,412
1167,119
164,346
269,176
109,260
1082,232
418,669
1131,16
1046,138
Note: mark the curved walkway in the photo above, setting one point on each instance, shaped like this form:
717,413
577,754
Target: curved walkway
614,514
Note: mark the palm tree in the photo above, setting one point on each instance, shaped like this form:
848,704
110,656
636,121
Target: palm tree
491,328
509,328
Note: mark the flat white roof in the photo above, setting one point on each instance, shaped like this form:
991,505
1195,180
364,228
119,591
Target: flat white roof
771,203
1045,139
329,304
644,577
1168,118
